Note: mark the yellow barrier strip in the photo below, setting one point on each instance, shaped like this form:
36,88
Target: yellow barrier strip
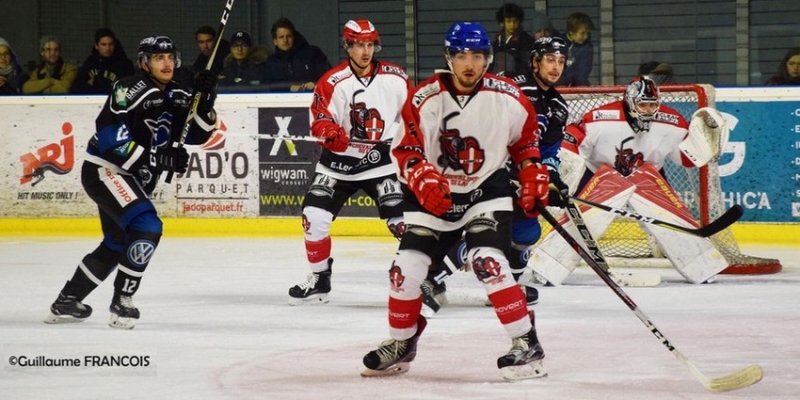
752,233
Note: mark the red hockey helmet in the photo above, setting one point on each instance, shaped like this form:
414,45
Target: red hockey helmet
360,30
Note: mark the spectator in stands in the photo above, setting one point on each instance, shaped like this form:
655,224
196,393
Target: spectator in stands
581,50
105,65
660,73
11,74
244,67
205,37
512,46
296,65
52,75
541,26
788,70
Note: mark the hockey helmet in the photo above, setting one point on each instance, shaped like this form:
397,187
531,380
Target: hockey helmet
158,45
360,30
467,36
549,45
642,89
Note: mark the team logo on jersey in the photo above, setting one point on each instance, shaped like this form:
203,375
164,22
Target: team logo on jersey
396,277
366,122
49,158
626,161
486,268
459,154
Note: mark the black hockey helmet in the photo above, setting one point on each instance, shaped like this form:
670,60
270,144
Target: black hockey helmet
158,45
548,45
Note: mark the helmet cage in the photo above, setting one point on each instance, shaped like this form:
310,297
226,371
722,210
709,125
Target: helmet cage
642,90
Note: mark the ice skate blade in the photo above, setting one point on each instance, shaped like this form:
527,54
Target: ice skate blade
532,370
117,322
62,319
397,369
321,298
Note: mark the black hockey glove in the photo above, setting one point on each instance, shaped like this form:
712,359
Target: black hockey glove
558,191
205,83
172,159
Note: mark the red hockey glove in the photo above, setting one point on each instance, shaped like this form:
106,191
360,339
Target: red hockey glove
336,139
534,183
430,187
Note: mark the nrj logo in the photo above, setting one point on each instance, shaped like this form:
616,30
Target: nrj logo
58,158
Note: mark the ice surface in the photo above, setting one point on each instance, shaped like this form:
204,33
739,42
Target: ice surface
216,325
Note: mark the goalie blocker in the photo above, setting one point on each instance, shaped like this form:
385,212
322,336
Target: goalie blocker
648,193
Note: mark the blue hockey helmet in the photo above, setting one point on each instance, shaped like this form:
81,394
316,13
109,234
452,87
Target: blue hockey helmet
467,36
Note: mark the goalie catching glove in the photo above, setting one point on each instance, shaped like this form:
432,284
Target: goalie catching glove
335,138
707,137
429,186
534,182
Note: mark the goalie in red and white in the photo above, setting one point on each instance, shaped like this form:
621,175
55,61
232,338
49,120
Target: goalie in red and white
624,146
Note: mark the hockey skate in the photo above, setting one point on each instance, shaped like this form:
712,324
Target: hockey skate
67,309
430,304
314,290
123,313
524,360
393,357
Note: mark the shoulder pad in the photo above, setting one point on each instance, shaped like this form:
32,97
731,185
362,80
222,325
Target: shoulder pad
424,92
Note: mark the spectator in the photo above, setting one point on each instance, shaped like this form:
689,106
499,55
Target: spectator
205,37
512,45
11,74
296,65
660,73
581,50
541,26
52,75
244,67
788,70
107,63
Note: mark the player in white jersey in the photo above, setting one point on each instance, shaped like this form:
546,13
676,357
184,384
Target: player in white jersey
625,145
462,125
360,98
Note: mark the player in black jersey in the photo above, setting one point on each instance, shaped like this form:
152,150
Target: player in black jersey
136,129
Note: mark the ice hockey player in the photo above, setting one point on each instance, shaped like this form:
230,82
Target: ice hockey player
136,128
462,124
625,145
360,98
547,61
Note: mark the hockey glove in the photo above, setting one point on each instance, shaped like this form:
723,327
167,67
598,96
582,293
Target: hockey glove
205,83
533,180
430,187
559,191
336,138
172,159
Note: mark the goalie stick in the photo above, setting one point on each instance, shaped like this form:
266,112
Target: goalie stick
737,380
641,279
196,97
302,138
725,220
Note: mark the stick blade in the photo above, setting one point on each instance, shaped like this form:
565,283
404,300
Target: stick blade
737,380
725,220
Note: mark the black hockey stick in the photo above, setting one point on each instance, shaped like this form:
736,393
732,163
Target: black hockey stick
725,220
737,380
623,279
196,98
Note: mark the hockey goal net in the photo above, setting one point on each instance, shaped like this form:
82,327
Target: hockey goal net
625,244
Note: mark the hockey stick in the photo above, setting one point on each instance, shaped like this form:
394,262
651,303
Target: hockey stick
623,279
196,98
725,220
737,380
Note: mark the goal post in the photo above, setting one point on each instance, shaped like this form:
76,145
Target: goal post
625,243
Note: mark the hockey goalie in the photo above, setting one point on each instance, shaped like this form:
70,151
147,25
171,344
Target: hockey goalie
624,146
